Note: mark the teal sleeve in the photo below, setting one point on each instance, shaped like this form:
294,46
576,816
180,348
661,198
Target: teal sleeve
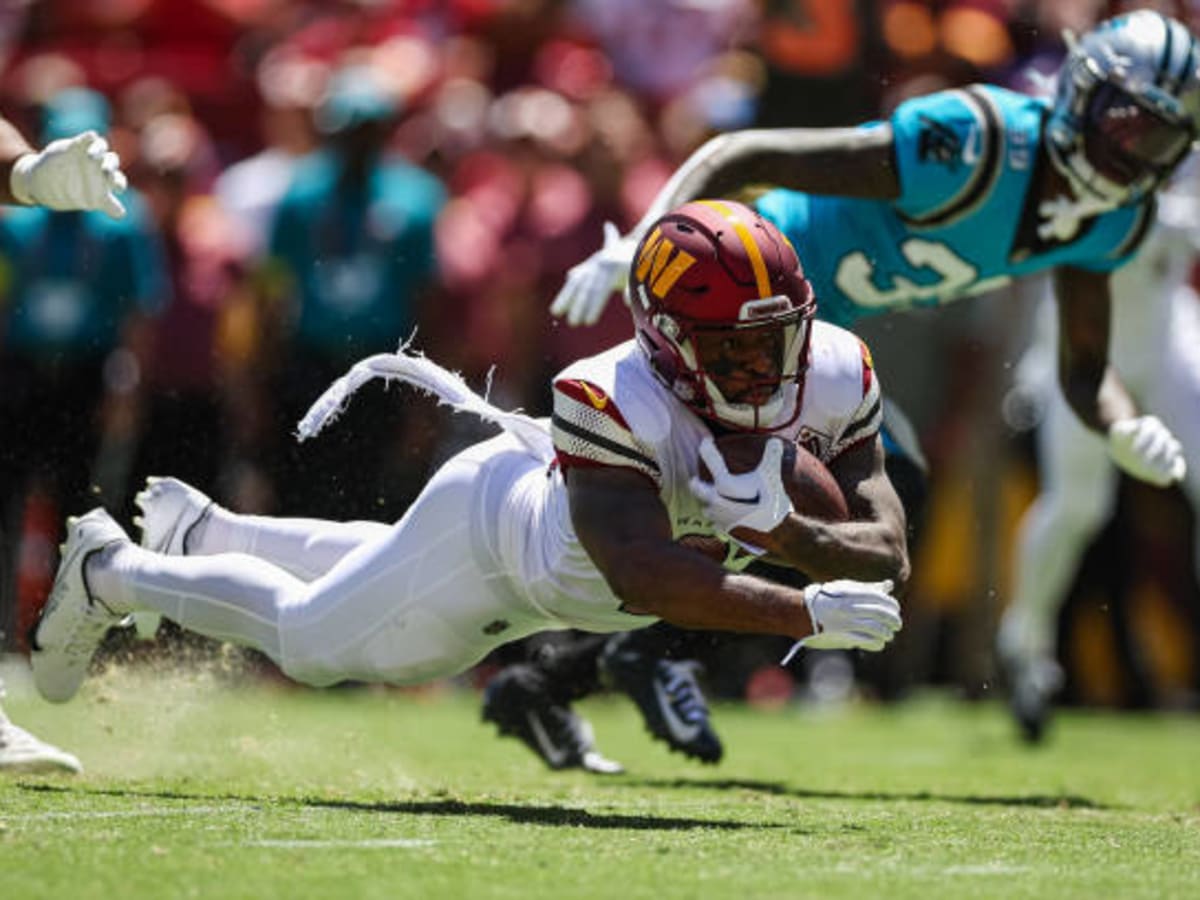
942,143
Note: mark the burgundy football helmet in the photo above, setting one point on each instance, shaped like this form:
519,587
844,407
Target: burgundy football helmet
717,267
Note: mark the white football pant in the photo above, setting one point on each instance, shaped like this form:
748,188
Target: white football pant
330,601
1079,480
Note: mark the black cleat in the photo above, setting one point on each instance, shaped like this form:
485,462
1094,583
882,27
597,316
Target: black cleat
669,697
1032,684
517,701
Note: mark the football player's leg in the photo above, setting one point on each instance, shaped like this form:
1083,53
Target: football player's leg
228,596
415,604
178,519
1175,396
308,548
427,601
1078,488
1175,393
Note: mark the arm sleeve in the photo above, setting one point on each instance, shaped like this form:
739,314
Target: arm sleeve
589,430
865,421
949,148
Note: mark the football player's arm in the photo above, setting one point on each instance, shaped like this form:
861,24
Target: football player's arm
1089,384
871,546
850,162
621,522
1142,445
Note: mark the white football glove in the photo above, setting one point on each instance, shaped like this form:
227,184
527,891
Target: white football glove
756,499
79,172
589,284
1145,448
849,615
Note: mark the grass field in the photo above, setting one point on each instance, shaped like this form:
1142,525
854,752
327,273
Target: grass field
196,790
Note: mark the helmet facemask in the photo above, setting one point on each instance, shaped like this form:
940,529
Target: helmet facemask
747,374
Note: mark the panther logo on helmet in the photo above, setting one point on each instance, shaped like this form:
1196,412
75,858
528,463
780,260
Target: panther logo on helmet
723,312
1127,109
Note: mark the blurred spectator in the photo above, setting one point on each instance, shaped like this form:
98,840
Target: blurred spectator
249,191
184,428
825,62
659,48
351,262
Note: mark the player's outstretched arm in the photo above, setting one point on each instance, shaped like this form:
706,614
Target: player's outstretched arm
79,172
848,162
854,162
1140,444
621,522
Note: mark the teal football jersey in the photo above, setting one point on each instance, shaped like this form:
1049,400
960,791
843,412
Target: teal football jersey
966,220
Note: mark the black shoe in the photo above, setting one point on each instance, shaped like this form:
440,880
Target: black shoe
669,697
1032,684
517,701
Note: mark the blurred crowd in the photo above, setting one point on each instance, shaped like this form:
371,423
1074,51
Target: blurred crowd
316,181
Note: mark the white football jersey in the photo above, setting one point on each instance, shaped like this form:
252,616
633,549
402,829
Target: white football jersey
611,410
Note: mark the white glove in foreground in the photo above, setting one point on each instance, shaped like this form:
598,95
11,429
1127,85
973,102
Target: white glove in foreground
849,615
755,500
589,284
1145,448
80,172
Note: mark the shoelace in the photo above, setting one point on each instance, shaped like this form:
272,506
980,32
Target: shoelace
679,681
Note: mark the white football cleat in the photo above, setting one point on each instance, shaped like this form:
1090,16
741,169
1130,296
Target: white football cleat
20,751
73,623
170,510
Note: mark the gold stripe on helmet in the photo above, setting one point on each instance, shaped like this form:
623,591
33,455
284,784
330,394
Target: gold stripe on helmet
757,264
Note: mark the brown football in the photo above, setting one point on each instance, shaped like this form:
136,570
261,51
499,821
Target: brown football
812,487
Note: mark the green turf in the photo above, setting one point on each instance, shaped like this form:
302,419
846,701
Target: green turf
194,790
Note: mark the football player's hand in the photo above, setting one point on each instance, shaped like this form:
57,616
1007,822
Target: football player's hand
79,172
1145,448
849,615
589,284
756,499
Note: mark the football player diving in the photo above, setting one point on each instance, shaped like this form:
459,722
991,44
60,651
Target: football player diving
571,524
955,194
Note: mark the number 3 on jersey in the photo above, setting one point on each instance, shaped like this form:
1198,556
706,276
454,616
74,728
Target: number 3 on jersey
956,277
